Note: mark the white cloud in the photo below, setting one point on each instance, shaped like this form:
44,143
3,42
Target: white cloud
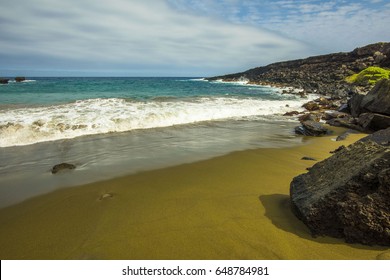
340,28
127,34
328,26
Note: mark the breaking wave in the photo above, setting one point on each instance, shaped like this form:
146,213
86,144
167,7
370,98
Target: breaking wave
24,126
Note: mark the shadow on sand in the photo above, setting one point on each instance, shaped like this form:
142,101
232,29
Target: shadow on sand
278,210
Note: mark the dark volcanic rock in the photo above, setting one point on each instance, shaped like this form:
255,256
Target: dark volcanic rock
344,122
310,117
372,109
347,195
381,137
291,113
342,147
20,79
373,122
354,104
377,100
311,106
4,81
343,136
311,128
334,115
62,166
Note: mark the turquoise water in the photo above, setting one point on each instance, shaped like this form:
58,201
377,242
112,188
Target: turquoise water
48,109
110,127
46,91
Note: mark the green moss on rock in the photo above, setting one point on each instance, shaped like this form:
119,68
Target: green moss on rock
370,75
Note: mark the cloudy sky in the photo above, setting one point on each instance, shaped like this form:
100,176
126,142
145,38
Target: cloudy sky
178,37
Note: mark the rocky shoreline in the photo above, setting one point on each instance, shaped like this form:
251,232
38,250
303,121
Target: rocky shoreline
327,76
324,74
347,195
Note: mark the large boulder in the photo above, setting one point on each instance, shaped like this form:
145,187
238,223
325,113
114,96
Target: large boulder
348,195
377,100
354,104
373,122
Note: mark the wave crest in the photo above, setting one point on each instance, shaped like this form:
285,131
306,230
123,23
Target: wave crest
25,126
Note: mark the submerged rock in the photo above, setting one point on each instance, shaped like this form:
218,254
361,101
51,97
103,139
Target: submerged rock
347,195
62,166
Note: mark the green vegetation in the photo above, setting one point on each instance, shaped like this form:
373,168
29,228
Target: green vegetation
370,75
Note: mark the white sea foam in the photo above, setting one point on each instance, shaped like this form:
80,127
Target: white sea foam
23,126
242,82
198,80
25,81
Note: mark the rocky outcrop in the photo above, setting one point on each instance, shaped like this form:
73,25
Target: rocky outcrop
61,167
4,81
375,101
20,79
348,195
372,110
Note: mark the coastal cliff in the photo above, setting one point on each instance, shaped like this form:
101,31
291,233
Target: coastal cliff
324,74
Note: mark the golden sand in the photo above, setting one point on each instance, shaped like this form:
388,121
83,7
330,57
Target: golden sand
231,207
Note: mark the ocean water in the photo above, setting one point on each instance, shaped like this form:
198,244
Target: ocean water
115,126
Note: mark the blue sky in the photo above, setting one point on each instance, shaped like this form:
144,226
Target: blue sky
178,37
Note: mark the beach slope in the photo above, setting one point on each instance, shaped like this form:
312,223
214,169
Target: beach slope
231,207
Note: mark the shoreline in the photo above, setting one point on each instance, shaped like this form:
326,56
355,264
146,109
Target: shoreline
234,206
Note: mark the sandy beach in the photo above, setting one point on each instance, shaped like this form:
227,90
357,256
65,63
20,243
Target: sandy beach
230,207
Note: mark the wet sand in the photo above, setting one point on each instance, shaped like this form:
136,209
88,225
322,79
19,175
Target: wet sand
230,207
